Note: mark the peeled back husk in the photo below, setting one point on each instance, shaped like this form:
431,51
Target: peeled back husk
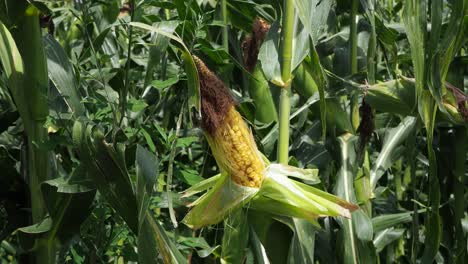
279,195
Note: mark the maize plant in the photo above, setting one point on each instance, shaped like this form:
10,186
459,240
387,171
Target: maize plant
234,131
246,176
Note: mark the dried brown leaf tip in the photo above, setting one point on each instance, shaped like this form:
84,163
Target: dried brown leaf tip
463,110
126,9
216,99
462,100
251,44
45,20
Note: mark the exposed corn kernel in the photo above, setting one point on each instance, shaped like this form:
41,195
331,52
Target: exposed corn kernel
228,135
241,158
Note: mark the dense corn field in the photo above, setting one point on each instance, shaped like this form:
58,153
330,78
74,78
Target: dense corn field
234,131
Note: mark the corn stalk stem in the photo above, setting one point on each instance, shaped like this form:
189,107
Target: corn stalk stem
285,105
225,27
461,148
371,51
353,59
124,93
36,86
353,37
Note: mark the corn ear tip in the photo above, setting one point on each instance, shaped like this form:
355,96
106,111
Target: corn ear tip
348,209
192,204
351,207
346,213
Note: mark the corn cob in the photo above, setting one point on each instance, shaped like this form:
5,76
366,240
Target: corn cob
303,82
259,89
246,177
231,141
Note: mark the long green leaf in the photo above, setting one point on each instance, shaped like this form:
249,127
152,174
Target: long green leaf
69,203
314,15
61,74
302,245
190,68
356,233
13,66
258,248
147,172
235,238
158,47
155,243
428,109
414,19
386,237
107,169
269,55
392,141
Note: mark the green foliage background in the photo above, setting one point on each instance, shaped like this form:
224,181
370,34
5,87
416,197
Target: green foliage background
378,105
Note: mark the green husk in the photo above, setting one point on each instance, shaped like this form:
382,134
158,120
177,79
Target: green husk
29,87
303,82
265,110
395,96
398,97
278,195
283,196
215,205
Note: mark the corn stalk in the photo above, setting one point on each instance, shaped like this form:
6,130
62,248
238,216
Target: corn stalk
225,25
285,104
459,193
31,95
353,62
353,37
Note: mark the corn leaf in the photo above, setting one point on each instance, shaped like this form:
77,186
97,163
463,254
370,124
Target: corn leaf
68,201
300,44
151,235
386,237
395,96
428,109
155,243
314,15
235,238
259,90
61,74
13,66
383,222
414,20
269,55
302,245
158,48
392,141
27,236
356,231
147,172
201,186
258,249
190,68
107,169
